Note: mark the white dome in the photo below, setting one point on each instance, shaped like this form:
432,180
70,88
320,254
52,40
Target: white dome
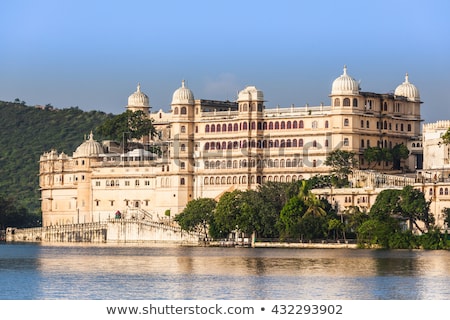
408,90
250,93
345,85
183,95
89,148
138,98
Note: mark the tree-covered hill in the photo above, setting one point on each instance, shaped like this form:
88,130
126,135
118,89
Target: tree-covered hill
27,132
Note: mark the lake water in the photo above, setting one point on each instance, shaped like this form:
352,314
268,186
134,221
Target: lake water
125,272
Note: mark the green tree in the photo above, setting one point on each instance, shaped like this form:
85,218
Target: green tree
127,125
197,216
342,163
226,217
375,155
446,137
14,215
289,223
415,208
446,212
399,152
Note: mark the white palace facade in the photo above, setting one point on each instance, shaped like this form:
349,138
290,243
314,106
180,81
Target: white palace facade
209,147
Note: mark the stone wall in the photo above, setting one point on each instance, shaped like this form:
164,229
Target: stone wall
112,231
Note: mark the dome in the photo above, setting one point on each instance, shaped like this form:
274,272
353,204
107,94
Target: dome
345,85
138,98
183,95
89,148
408,90
250,93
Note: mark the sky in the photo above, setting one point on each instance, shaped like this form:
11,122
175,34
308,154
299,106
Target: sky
92,54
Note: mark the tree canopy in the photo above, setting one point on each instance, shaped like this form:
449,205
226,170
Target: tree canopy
29,132
127,125
342,163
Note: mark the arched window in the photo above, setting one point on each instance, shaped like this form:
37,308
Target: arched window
175,111
213,128
346,122
230,127
362,143
294,143
441,191
277,125
183,147
253,125
230,145
362,123
326,142
235,127
314,125
288,125
182,181
207,128
346,102
288,143
244,107
207,146
283,125
265,125
270,125
314,144
337,102
183,110
294,124
224,127
355,102
326,124
218,128
282,143
206,181
301,124
224,145
183,129
367,124
244,126
446,191
276,163
300,142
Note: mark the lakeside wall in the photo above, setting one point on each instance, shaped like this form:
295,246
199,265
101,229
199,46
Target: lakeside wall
111,231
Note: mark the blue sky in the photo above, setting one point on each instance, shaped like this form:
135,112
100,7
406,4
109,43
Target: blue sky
92,54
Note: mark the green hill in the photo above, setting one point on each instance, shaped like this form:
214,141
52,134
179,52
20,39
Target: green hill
27,132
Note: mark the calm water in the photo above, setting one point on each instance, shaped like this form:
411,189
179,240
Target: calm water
33,271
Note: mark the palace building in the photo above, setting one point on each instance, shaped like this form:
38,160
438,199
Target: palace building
209,147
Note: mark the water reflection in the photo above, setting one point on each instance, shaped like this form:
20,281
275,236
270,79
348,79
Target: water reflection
145,272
